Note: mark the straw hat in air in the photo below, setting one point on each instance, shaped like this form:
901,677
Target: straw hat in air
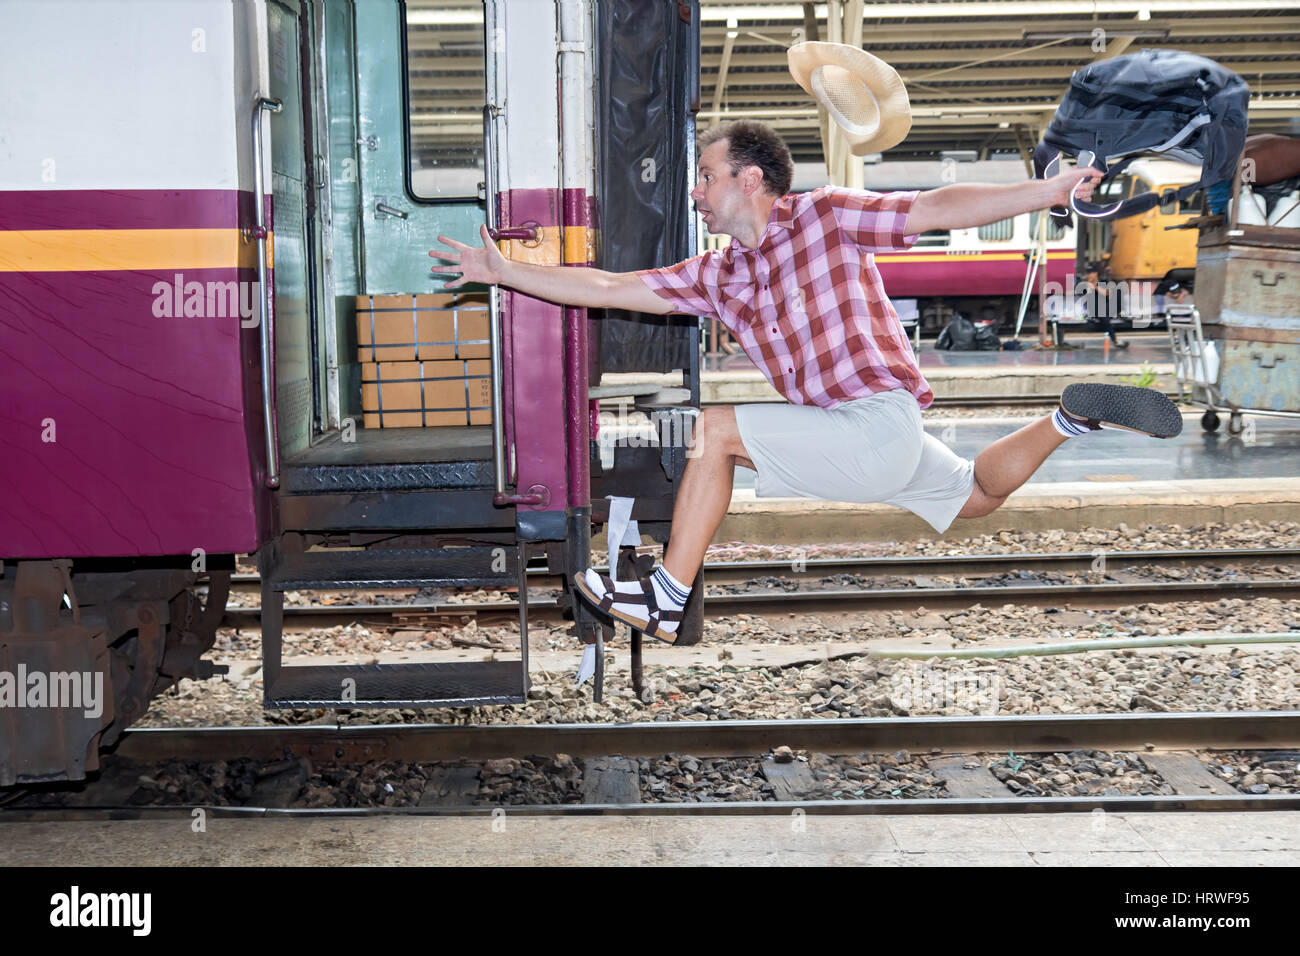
863,94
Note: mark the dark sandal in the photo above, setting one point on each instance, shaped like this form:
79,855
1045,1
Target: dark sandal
1141,410
649,625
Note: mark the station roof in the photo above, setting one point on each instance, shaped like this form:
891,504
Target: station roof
979,72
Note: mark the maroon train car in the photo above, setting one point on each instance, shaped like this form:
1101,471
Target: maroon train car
206,217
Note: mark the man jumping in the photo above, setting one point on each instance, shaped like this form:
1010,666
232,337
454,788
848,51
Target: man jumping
800,291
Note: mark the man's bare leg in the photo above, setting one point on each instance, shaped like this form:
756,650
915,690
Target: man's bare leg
705,491
1085,407
654,604
1008,463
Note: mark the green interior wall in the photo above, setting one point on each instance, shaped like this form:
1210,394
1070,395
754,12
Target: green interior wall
396,250
376,256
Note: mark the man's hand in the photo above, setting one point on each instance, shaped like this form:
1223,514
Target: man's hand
483,264
1080,181
589,288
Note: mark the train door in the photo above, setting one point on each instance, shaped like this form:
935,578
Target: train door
302,345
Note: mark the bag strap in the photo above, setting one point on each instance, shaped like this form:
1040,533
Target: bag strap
1086,158
1047,163
1134,205
1195,123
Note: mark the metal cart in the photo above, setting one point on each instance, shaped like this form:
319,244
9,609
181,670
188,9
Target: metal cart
1237,350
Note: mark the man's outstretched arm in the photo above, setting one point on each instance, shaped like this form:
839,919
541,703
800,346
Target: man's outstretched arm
590,288
966,205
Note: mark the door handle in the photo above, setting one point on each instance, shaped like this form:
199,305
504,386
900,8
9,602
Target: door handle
525,234
499,498
1277,277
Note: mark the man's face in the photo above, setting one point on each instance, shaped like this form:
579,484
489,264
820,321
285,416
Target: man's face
717,194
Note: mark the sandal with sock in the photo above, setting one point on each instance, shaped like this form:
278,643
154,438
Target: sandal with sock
657,613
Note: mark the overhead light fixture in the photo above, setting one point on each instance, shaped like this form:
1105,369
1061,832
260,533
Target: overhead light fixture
733,28
1089,34
1004,125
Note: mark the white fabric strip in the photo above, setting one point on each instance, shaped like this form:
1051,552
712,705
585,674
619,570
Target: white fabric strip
620,530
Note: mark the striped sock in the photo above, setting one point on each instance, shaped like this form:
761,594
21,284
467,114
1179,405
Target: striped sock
669,591
670,594
1067,426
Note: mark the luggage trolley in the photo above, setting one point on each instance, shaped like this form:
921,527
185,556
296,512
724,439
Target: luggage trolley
1237,350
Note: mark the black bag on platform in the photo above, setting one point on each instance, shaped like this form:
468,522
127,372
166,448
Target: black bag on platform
959,335
986,339
1162,102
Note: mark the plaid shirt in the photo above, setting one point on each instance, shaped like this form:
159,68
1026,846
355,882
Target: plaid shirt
808,305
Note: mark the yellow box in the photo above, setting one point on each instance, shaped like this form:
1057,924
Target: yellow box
426,393
427,326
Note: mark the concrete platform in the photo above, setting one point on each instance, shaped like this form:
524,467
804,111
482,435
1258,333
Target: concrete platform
1058,839
744,386
1067,506
1096,480
733,379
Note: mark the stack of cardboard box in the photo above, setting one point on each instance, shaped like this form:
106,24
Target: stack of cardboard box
425,360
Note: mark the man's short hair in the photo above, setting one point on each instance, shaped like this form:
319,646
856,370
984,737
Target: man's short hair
754,144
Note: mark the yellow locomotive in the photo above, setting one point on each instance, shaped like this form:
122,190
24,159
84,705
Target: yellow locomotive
1139,251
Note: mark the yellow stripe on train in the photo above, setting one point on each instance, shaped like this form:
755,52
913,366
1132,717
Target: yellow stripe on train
118,250
968,256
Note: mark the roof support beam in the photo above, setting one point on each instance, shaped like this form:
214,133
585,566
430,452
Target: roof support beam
721,86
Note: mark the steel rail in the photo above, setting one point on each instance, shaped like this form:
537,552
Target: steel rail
734,572
1110,595
1277,730
1201,803
1110,733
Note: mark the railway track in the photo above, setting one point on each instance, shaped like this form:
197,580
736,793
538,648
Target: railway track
1125,567
879,599
740,572
1277,730
1167,740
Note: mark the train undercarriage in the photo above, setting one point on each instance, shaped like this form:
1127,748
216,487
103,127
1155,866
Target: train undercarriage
84,651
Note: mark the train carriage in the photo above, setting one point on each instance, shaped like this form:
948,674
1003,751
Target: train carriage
221,335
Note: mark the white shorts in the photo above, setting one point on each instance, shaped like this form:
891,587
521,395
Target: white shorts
867,450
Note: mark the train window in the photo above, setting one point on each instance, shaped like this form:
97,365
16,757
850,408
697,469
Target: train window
445,56
934,237
1120,188
997,231
1055,227
1190,205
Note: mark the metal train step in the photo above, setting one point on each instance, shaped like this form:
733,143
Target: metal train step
443,684
408,476
334,569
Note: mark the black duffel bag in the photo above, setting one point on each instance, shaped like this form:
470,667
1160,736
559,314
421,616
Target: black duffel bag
1162,102
959,335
